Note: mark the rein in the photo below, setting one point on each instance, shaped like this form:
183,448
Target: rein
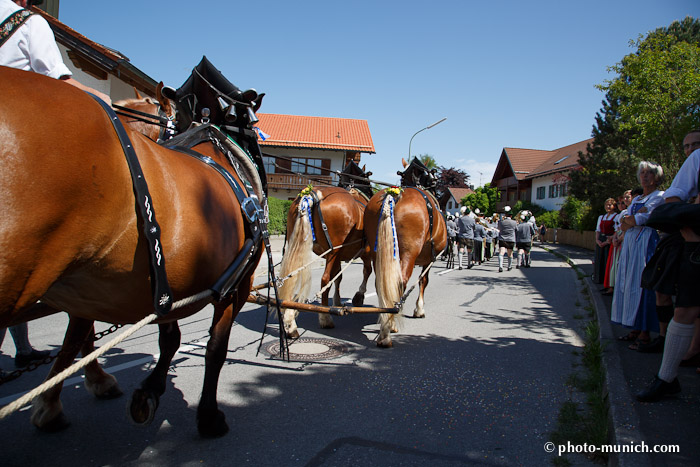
127,112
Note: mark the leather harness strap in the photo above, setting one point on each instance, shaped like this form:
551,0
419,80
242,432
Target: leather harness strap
162,295
324,227
256,229
429,206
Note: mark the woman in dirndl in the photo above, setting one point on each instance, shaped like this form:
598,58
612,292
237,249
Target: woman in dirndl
604,231
614,257
633,306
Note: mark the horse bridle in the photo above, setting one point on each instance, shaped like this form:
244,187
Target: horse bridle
163,120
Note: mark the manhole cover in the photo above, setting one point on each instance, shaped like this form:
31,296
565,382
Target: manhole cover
309,349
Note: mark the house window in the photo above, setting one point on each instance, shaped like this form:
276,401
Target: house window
303,165
559,190
269,163
449,204
540,192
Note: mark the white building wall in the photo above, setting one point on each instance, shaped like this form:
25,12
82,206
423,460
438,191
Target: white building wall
452,206
337,159
548,203
112,86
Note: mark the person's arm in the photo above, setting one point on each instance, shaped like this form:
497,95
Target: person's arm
80,85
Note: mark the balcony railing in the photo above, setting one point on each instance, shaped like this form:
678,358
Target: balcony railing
294,182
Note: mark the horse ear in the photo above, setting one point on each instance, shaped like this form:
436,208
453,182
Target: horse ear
404,163
162,100
138,96
258,102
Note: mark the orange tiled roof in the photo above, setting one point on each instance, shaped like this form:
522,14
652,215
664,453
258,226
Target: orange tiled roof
459,193
561,159
525,161
530,163
294,131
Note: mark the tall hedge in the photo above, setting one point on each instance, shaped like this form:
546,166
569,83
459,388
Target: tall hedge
278,215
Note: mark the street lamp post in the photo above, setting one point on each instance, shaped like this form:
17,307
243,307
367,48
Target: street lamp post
423,129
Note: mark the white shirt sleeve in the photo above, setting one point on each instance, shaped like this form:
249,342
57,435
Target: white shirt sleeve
685,183
32,47
597,225
654,200
41,48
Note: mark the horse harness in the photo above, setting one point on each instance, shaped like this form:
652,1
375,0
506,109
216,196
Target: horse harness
317,203
253,213
324,227
429,206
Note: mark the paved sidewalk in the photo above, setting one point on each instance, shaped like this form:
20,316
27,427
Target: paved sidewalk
672,421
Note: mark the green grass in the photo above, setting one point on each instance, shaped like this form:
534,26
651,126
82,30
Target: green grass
585,423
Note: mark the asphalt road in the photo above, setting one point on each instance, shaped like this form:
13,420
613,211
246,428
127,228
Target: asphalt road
479,381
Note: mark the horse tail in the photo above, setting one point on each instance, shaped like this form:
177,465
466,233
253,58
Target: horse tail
388,281
298,256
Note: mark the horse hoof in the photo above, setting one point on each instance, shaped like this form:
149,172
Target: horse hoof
212,425
107,388
111,393
421,315
293,335
59,423
358,300
330,325
142,407
385,344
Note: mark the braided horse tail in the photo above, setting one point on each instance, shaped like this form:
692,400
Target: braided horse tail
389,282
296,262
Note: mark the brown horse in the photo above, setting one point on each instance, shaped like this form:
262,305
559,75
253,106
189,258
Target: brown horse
71,236
402,230
337,225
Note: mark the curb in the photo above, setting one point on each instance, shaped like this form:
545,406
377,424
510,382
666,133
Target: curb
623,420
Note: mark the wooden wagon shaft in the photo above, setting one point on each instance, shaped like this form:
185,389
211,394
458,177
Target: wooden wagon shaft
333,310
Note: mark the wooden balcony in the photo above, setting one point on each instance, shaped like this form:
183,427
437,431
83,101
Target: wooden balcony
295,183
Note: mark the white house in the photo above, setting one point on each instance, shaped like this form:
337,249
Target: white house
538,176
299,150
550,180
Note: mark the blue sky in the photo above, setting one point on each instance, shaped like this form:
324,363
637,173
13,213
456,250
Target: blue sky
505,74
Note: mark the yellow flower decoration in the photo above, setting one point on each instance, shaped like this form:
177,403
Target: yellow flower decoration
307,191
395,191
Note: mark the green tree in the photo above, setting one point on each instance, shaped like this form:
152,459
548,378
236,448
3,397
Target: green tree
659,93
484,198
649,106
428,161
